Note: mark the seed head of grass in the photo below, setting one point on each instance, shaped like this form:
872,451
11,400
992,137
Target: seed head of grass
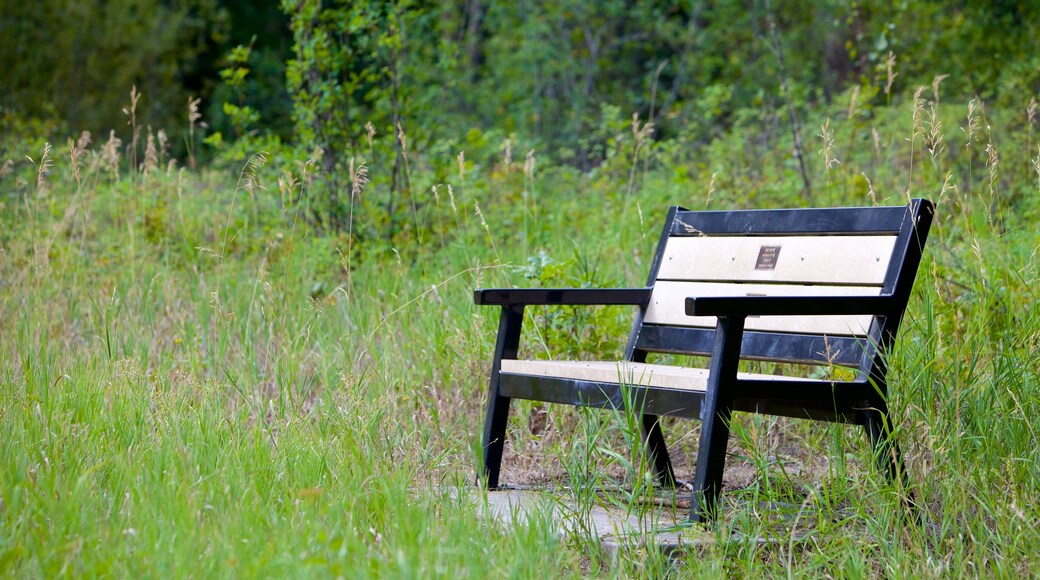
287,184
76,151
402,139
42,169
358,178
992,161
853,102
487,230
110,153
917,113
827,137
641,132
934,137
947,186
193,112
370,133
974,122
890,72
711,189
151,153
936,80
451,198
1036,167
529,162
870,190
164,142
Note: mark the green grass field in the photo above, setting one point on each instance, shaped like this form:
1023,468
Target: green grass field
196,381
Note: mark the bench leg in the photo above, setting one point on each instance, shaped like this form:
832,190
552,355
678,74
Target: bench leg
711,461
658,450
506,346
494,437
877,422
715,415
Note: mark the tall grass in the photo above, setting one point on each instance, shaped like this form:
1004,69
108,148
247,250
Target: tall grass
196,381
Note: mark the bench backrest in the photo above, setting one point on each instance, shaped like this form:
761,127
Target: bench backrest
797,252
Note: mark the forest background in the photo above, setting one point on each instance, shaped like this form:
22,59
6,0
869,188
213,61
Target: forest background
238,243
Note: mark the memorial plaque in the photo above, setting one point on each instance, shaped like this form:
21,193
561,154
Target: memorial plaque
767,257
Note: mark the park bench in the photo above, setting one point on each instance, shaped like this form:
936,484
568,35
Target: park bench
825,287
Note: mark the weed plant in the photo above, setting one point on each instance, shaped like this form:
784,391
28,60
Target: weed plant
196,380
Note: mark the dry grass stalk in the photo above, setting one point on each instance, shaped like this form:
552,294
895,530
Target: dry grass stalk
83,142
974,122
916,131
370,133
151,154
992,161
42,169
487,230
1036,167
853,102
936,80
193,119
1030,119
529,162
711,189
403,140
74,162
164,143
76,151
358,181
251,181
890,74
870,190
641,133
916,116
358,178
934,137
132,122
451,198
827,136
287,184
947,185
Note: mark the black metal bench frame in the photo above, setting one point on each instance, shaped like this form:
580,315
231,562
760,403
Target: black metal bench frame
861,401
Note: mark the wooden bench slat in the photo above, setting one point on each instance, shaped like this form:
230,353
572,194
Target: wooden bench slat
623,372
846,351
872,220
846,260
668,300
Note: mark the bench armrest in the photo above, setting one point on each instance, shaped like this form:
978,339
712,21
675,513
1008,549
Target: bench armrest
789,305
574,296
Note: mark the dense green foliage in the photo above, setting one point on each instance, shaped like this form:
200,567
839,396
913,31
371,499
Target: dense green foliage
553,76
271,363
